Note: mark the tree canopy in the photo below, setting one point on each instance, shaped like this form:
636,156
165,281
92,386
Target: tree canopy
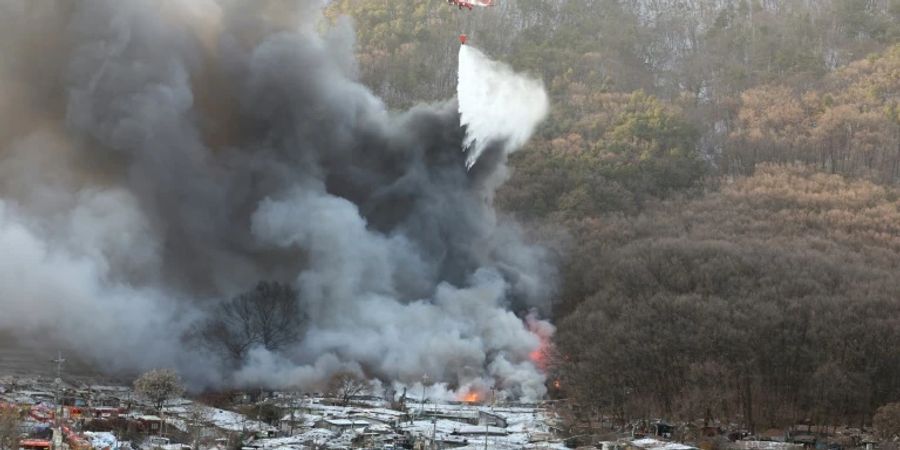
158,386
770,300
268,316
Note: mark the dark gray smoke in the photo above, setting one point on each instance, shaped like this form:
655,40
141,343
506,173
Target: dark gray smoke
160,157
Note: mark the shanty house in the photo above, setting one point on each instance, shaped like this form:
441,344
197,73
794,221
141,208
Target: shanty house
481,431
149,424
663,429
806,440
297,421
491,419
655,444
339,425
763,445
469,417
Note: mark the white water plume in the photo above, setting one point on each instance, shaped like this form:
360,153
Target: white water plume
496,103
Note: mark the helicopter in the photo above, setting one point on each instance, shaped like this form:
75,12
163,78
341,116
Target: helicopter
470,4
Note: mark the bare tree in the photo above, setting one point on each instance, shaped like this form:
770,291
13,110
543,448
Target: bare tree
197,418
268,316
624,352
297,417
160,385
10,418
887,420
343,386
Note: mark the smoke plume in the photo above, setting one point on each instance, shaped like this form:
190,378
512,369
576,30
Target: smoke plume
158,158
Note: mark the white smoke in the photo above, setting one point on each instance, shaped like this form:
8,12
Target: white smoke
496,103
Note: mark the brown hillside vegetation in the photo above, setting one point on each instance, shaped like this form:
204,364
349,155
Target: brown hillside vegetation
850,125
769,302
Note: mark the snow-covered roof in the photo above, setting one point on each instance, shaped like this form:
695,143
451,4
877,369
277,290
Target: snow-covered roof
346,422
763,445
232,421
480,430
379,428
102,440
655,444
384,411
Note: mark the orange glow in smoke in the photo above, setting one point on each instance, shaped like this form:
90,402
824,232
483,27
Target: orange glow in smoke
472,397
542,330
539,355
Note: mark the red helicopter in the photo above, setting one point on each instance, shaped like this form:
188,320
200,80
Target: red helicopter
470,4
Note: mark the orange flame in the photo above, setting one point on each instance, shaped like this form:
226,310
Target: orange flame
472,397
543,330
539,355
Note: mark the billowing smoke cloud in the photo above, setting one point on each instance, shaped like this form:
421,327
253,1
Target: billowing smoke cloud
158,158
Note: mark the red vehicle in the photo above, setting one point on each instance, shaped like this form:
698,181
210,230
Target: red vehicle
34,444
470,4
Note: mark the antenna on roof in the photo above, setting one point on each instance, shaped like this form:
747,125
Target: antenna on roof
59,362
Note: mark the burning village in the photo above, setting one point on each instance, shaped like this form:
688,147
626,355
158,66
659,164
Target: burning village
485,224
351,415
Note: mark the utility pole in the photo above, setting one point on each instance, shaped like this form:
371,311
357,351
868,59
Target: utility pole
259,405
292,406
90,402
486,422
59,362
433,431
493,390
422,402
57,432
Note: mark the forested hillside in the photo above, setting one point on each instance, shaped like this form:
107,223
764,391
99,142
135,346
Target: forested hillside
773,299
727,173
